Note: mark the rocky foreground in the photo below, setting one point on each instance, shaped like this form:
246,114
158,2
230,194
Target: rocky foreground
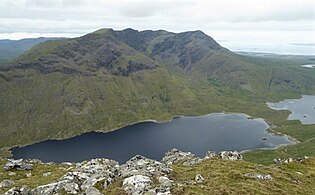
139,175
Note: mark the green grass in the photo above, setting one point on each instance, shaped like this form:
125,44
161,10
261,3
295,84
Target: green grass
227,177
306,148
36,179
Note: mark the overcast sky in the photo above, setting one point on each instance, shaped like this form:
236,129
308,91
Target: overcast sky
31,18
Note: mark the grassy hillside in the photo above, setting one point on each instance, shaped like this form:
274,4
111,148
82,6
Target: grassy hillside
108,79
220,177
229,177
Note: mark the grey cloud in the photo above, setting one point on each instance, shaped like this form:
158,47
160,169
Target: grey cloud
145,8
176,15
54,3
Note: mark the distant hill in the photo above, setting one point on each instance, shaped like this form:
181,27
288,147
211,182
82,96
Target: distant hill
108,79
10,49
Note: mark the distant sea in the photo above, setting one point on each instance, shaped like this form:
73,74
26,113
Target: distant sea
277,42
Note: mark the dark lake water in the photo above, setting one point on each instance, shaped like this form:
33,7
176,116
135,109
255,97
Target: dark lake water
198,135
302,109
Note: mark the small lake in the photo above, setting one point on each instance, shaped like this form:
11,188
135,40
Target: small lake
216,131
302,109
308,65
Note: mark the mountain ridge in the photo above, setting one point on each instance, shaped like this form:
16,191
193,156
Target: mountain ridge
107,79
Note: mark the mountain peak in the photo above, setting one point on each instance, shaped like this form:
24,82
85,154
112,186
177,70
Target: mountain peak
103,31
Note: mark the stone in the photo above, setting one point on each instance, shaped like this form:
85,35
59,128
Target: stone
277,161
18,191
52,188
164,179
190,182
107,182
17,164
136,184
71,188
88,173
66,163
6,183
11,173
91,181
259,176
230,155
92,191
175,155
210,154
199,178
47,174
193,161
259,166
263,177
140,165
28,174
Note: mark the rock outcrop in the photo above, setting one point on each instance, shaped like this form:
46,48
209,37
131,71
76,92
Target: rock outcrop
139,175
6,183
279,161
228,155
259,176
137,184
175,155
18,164
199,178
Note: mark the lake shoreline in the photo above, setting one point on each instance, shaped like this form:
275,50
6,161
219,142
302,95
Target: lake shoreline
302,109
268,129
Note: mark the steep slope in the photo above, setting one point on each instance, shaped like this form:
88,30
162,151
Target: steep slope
96,82
196,54
107,79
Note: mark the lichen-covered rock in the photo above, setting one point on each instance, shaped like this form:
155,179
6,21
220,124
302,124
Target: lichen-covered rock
165,186
46,174
92,191
279,161
140,165
17,164
91,181
164,179
6,183
230,155
71,188
52,188
11,173
18,191
210,154
258,176
88,173
199,178
176,155
137,184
